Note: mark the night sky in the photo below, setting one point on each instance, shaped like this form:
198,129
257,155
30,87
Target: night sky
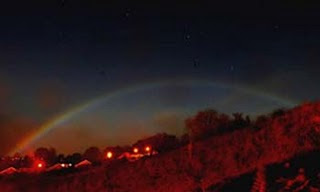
148,66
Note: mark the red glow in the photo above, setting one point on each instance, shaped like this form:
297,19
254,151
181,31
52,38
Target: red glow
40,165
135,150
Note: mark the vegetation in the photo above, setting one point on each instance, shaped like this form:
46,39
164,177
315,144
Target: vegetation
223,147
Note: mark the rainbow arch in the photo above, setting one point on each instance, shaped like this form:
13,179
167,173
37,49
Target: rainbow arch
69,114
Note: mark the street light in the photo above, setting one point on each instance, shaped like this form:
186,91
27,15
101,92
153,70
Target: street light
109,154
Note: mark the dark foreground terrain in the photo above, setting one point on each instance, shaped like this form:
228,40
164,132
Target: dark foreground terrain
272,155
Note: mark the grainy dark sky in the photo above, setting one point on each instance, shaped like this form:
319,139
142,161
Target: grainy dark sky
161,62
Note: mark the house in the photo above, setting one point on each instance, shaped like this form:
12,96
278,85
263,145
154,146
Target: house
9,171
59,166
84,163
130,156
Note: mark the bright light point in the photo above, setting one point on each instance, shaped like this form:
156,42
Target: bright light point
135,150
109,155
40,165
70,164
63,165
147,149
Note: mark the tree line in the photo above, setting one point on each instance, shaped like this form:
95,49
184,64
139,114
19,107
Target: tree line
204,124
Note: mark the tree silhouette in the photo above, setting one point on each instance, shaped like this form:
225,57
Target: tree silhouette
27,161
45,154
60,158
74,158
160,142
93,154
278,112
239,122
204,124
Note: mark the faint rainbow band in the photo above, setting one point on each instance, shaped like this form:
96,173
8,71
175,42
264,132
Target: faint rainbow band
69,114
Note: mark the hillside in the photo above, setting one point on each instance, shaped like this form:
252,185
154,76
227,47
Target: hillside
274,139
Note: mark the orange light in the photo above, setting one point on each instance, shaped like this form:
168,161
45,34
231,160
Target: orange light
109,155
63,165
135,150
148,149
40,165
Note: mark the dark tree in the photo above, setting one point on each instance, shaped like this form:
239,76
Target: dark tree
47,155
278,112
260,122
60,158
159,142
184,139
93,154
74,158
206,123
239,122
27,161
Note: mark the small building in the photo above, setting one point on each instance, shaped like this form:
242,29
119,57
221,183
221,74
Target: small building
27,170
130,156
9,171
57,166
84,163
